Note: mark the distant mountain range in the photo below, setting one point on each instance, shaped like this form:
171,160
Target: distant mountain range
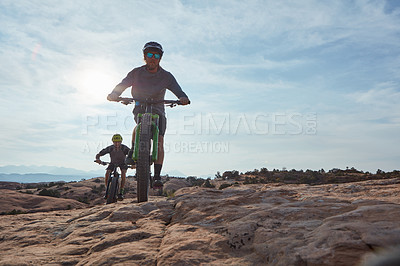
38,178
45,173
35,169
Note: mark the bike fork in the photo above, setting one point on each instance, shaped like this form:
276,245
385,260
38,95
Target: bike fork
155,133
154,154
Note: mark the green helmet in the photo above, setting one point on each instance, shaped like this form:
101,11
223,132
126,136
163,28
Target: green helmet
117,138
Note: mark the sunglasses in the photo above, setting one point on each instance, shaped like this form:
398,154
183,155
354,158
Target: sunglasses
156,56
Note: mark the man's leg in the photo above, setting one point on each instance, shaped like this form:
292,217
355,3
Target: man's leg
107,176
129,160
133,137
158,164
122,189
123,178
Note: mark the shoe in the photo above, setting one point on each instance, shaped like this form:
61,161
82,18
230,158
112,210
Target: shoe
158,183
105,196
120,196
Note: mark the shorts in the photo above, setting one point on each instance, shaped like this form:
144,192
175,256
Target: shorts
162,123
121,166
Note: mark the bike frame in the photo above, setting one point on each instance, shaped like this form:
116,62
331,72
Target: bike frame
148,103
155,133
146,134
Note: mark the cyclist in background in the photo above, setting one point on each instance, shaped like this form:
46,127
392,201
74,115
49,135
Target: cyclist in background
118,152
151,81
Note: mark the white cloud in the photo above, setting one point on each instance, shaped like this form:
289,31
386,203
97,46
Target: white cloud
387,95
61,59
380,104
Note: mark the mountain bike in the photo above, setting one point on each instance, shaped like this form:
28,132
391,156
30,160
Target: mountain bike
145,150
112,185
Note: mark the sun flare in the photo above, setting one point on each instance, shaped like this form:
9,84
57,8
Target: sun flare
94,80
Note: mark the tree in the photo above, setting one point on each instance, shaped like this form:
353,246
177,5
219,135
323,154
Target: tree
380,172
230,174
218,175
194,181
263,170
208,184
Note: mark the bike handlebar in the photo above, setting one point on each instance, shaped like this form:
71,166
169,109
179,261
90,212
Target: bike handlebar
171,103
102,163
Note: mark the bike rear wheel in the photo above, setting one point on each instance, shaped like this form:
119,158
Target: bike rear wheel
113,190
143,162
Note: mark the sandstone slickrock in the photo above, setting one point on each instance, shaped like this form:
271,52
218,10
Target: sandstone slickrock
11,200
271,224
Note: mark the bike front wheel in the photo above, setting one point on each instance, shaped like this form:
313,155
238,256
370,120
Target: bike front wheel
113,190
143,162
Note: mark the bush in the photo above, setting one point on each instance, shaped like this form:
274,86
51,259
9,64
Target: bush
169,193
225,185
251,180
194,181
84,200
99,189
27,192
230,174
50,193
208,184
13,212
60,184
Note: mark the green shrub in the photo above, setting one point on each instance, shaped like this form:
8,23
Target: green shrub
225,185
169,193
84,200
27,192
194,181
98,189
50,193
13,212
208,184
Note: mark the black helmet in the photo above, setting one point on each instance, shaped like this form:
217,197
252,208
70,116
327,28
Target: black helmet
153,45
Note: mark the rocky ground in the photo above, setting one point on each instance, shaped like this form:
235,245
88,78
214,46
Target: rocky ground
23,198
271,224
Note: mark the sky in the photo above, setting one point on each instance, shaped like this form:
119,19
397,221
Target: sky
275,84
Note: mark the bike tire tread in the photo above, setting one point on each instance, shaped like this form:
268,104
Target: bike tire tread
143,163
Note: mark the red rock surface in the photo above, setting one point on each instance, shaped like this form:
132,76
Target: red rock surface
12,200
241,225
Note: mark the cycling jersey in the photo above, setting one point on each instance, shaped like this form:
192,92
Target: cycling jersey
117,156
147,85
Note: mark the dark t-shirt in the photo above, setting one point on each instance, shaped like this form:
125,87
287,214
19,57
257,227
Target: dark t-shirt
147,85
117,156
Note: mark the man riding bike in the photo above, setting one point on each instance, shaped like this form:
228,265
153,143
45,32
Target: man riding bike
118,152
151,81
